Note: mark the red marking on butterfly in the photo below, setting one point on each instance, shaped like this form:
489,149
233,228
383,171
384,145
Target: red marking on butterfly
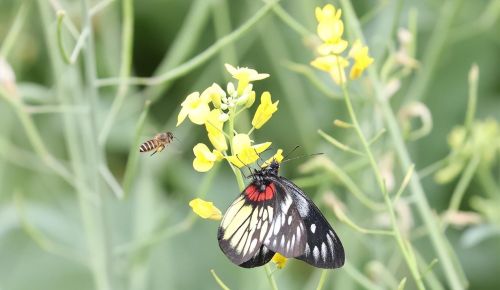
255,194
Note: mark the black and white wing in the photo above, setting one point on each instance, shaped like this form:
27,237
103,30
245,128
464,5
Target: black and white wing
244,227
287,235
262,257
323,248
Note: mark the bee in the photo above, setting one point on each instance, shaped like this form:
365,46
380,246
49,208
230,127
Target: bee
158,143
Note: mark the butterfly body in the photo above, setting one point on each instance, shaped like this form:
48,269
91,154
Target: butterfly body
273,215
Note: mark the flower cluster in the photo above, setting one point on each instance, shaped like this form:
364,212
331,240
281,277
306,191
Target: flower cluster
217,110
330,30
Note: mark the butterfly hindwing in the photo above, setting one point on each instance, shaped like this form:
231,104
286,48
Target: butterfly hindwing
287,235
323,248
262,257
245,225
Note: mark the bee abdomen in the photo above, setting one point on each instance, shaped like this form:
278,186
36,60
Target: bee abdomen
148,146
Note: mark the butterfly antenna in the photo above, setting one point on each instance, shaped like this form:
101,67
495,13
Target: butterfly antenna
300,156
290,153
244,164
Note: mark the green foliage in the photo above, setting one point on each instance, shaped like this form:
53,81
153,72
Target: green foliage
83,83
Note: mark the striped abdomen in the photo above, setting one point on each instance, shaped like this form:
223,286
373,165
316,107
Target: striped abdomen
149,145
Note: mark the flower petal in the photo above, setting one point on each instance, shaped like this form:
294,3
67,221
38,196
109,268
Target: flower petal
240,142
205,209
264,111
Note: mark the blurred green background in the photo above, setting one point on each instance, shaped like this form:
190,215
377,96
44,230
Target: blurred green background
124,218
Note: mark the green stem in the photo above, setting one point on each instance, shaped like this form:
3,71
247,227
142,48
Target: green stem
236,171
198,60
222,23
397,233
133,156
270,277
472,101
322,279
14,32
359,277
434,50
463,183
219,281
125,67
452,271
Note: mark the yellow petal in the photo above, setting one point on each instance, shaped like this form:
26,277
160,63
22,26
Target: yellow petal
331,30
248,155
199,114
264,111
213,122
201,165
214,93
205,209
276,157
182,115
218,139
251,100
205,159
279,260
240,142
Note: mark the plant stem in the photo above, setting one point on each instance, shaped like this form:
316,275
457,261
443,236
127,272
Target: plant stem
322,279
434,49
125,67
453,272
14,31
397,233
219,281
197,60
463,183
270,277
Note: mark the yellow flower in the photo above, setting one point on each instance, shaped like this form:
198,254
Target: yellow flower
334,65
251,100
214,125
244,75
278,157
195,107
244,152
330,29
264,111
279,260
205,159
205,209
214,93
361,59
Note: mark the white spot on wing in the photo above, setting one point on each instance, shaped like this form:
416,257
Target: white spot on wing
323,251
282,244
313,228
316,253
308,250
289,220
277,225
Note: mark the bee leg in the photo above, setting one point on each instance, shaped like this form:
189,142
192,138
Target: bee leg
159,149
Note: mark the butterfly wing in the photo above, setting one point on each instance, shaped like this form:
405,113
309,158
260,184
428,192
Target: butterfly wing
262,257
287,235
245,225
323,248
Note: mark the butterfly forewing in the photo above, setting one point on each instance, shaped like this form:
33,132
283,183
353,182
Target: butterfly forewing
323,248
245,225
287,235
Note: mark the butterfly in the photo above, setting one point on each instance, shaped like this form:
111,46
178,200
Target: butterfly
273,215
